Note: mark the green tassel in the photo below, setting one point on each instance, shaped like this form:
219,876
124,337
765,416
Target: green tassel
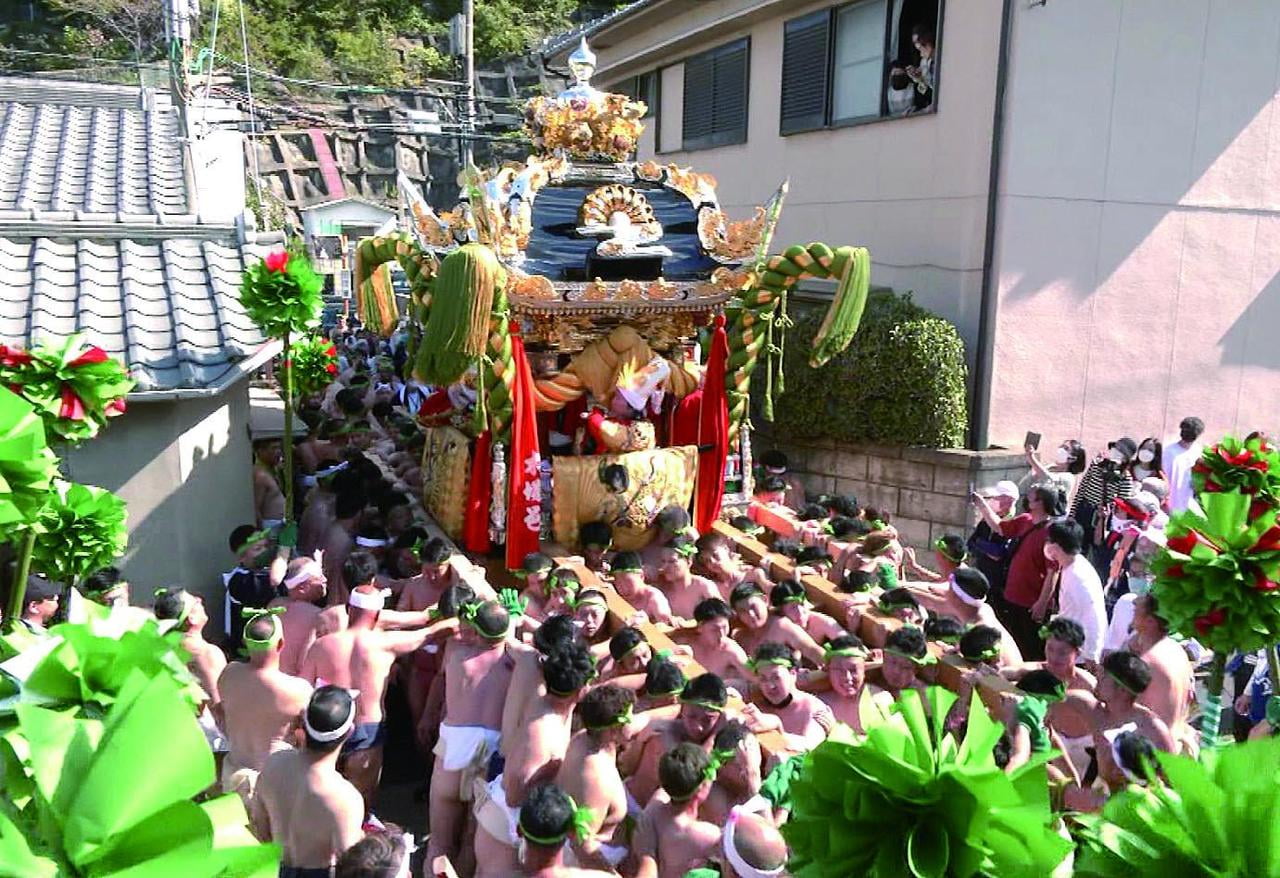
845,314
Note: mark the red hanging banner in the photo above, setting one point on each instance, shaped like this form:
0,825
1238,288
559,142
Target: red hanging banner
713,433
524,505
475,527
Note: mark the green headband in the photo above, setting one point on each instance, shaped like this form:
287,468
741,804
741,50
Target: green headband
256,537
522,573
715,761
858,652
469,613
888,608
919,661
598,600
951,639
1122,684
941,546
753,530
252,644
186,605
796,599
554,582
638,568
684,550
756,664
698,702
622,719
579,826
992,652
637,645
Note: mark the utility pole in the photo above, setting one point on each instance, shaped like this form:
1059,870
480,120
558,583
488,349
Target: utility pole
469,67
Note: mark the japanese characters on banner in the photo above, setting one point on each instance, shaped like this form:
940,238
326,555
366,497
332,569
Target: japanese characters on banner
524,520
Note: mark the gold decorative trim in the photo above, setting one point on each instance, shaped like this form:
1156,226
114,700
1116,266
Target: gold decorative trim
728,241
604,202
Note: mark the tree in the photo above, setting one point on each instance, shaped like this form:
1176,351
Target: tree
139,23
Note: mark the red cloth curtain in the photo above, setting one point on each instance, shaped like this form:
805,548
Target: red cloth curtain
475,528
524,506
713,433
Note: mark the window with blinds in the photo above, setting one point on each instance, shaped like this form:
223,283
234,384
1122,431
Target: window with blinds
641,88
863,61
715,96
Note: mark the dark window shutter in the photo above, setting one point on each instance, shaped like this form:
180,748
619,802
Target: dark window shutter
698,99
805,49
730,110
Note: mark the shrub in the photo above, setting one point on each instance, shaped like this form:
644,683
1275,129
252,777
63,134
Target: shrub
901,382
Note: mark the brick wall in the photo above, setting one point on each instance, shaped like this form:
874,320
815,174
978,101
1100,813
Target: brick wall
925,490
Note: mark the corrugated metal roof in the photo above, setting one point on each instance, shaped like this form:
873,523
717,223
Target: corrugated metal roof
98,234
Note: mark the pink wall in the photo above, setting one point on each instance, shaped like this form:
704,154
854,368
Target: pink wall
1138,246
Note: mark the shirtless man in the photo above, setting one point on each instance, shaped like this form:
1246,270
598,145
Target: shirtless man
713,648
738,780
702,705
331,479
756,626
1064,638
423,591
303,804
1169,695
532,758
675,577
590,612
804,720
716,561
477,672
847,675
672,837
1124,678
589,773
304,584
268,499
629,653
545,823
905,652
186,611
670,522
260,704
963,595
628,582
790,600
535,570
360,657
596,538
338,542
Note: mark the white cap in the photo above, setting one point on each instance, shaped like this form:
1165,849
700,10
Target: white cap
1003,488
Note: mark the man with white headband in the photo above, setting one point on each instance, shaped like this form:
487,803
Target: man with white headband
319,512
304,584
963,596
185,613
260,703
360,657
303,804
753,847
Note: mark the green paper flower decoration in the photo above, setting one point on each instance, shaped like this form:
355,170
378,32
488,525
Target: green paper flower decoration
74,386
911,800
1251,467
315,364
1217,818
282,294
81,529
1218,578
110,796
27,466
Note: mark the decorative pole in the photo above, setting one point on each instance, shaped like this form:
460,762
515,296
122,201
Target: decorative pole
288,428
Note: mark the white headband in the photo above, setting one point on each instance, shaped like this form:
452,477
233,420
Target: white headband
370,543
340,731
775,470
740,866
965,597
375,600
312,568
336,468
1113,738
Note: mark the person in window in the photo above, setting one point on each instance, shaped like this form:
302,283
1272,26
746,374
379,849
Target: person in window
901,93
922,74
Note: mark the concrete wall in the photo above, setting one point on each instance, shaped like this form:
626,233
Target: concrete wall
925,491
1139,219
184,470
913,190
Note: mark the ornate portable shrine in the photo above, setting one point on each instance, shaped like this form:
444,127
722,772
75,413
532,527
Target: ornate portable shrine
638,307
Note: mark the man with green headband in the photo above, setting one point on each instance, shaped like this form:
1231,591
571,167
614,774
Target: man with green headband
671,833
628,581
1121,682
547,819
847,673
670,522
702,706
538,749
185,611
949,552
789,599
590,612
596,538
714,648
436,573
717,561
905,652
260,704
739,775
756,625
803,719
589,773
536,571
683,589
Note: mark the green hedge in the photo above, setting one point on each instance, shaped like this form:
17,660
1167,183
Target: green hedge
901,382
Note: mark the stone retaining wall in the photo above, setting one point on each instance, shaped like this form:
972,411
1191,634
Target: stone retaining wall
925,490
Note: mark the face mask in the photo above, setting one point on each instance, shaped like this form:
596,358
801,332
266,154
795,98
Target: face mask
1061,455
1139,585
1120,525
1146,455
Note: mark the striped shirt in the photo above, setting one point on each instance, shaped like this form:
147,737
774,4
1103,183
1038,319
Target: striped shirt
1100,486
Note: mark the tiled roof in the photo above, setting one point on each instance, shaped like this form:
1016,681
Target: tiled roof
170,309
98,234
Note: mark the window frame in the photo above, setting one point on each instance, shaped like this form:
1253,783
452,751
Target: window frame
831,123
716,140
630,86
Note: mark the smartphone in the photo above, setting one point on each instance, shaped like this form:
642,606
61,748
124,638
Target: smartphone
1032,440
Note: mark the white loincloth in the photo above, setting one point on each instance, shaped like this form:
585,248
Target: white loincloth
494,815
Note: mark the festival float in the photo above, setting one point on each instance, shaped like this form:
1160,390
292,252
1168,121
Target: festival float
593,324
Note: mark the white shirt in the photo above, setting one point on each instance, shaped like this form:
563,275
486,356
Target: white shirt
1080,598
1178,461
1121,620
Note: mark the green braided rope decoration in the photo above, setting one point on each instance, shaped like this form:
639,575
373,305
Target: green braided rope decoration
499,373
761,322
372,253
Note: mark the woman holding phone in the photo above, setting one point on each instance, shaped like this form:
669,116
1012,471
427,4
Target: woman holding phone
1067,462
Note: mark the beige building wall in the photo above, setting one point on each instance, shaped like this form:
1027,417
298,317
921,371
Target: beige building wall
184,468
913,190
1139,219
